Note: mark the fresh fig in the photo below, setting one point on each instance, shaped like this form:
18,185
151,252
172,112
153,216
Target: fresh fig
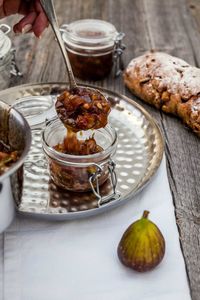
142,246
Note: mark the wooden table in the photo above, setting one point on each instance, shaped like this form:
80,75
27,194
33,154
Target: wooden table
172,26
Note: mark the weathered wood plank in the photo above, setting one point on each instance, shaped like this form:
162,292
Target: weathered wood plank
193,9
169,25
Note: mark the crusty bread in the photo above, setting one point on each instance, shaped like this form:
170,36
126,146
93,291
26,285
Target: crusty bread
168,83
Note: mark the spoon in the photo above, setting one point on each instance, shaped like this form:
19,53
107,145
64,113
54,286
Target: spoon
49,9
93,105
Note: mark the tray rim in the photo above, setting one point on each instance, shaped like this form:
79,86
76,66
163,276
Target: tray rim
151,172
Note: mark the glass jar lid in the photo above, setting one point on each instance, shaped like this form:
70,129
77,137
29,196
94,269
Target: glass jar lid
89,34
5,42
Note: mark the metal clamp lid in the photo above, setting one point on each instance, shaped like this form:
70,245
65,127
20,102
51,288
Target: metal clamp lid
119,48
14,70
5,42
7,53
94,182
5,28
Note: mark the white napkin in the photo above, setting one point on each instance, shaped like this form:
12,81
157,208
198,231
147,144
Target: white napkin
78,259
1,264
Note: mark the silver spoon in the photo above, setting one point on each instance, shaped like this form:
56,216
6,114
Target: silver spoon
49,9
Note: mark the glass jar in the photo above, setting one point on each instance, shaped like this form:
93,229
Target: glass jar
93,46
79,173
7,58
36,109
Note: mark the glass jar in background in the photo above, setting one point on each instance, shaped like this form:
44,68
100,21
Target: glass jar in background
79,173
93,46
7,58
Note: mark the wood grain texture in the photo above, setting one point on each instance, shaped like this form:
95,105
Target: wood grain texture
172,26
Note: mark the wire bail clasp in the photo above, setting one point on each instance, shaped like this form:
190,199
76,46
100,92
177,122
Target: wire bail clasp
119,48
94,182
14,70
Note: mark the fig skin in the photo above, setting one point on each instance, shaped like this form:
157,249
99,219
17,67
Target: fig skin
142,246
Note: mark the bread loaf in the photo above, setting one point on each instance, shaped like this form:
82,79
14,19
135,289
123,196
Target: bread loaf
168,83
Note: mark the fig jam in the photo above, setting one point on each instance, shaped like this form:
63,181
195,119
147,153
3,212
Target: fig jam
88,67
83,109
72,145
7,157
70,177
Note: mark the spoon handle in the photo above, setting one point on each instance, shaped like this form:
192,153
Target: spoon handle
49,9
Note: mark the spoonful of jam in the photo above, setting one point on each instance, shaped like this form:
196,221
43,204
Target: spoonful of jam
83,109
78,108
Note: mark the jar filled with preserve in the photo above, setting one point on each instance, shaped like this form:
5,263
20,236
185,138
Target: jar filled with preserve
94,48
69,165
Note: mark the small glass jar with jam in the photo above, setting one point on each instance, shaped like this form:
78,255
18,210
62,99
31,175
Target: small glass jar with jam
79,173
94,47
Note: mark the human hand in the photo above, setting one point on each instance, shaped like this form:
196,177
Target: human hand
34,19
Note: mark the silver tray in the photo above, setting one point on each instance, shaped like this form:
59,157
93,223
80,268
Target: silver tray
139,154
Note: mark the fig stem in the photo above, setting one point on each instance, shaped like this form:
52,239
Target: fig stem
145,214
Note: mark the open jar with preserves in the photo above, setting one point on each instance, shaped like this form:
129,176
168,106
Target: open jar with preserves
82,162
93,46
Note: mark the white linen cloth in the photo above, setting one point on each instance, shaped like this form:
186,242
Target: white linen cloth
78,259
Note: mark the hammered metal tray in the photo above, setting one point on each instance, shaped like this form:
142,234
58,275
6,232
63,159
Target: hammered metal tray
139,153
